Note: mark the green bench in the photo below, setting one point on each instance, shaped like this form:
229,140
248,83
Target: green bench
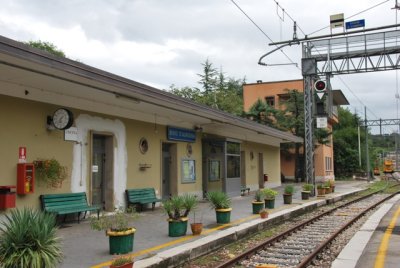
243,190
141,197
69,203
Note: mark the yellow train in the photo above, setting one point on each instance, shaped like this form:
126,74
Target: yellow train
388,166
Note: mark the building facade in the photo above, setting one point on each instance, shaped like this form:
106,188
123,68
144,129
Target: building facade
120,134
274,94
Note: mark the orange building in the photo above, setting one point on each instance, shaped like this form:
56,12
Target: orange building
276,92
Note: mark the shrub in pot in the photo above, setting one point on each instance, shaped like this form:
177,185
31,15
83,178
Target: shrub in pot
306,191
29,239
118,228
269,197
177,208
122,262
263,213
320,189
287,194
221,202
327,187
258,202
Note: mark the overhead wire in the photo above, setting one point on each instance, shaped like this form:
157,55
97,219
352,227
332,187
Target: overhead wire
365,10
264,33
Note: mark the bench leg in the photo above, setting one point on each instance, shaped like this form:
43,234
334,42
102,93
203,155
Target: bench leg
79,215
98,214
65,217
153,205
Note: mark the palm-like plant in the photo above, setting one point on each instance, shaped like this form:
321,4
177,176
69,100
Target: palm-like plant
180,206
28,239
219,200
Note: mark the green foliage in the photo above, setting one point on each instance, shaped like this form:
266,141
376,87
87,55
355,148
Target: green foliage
29,239
217,90
289,189
219,200
180,206
258,196
50,171
262,113
269,193
122,260
46,46
118,221
308,187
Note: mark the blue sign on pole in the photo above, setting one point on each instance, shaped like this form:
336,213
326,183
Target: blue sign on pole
181,134
355,24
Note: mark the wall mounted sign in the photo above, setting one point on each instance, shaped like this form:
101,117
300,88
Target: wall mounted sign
188,171
181,134
71,134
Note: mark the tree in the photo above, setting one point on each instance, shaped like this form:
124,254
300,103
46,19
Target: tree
262,113
46,46
218,91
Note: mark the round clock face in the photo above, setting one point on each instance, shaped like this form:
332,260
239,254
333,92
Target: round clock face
62,118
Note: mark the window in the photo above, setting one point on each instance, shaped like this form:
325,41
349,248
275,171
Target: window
328,163
232,159
270,101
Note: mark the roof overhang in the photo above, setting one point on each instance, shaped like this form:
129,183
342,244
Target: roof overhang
339,98
33,74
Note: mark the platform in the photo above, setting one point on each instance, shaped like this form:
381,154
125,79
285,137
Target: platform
83,247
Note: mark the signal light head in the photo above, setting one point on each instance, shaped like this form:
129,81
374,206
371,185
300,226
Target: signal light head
320,85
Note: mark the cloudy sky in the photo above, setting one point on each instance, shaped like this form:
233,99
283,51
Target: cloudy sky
164,42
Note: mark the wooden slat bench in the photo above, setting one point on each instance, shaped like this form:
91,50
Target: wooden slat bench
243,190
141,197
68,203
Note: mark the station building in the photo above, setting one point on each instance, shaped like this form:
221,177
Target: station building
112,134
274,94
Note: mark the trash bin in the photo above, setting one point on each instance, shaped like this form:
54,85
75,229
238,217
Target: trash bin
7,197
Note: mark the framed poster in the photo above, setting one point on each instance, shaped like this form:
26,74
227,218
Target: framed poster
188,171
214,170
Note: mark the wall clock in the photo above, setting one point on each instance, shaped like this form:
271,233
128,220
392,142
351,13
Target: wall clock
63,119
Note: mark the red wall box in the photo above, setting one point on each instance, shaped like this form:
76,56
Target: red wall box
25,178
7,197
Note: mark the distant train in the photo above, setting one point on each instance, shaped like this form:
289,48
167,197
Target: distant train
388,166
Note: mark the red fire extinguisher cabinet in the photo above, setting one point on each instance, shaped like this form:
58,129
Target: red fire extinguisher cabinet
7,197
25,178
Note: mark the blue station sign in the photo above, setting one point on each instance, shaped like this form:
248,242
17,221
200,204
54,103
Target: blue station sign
355,24
181,134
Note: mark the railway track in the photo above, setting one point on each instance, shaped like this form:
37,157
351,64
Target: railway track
298,246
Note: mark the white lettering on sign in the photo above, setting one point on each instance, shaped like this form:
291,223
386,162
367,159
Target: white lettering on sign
71,134
95,169
22,155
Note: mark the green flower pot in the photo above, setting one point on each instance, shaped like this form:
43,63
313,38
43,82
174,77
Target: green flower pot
270,203
121,242
177,227
287,199
257,206
223,215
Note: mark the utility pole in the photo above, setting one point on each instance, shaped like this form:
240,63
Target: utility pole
366,143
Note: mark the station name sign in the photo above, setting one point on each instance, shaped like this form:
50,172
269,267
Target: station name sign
181,134
355,24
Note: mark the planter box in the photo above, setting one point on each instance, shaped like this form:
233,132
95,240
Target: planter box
177,227
269,203
257,206
121,242
223,215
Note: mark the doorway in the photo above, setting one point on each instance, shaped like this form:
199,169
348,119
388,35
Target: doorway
102,182
166,171
260,170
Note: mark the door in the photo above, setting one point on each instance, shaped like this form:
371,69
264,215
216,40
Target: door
102,190
260,170
166,171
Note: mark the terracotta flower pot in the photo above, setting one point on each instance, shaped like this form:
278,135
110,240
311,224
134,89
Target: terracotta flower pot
264,214
196,227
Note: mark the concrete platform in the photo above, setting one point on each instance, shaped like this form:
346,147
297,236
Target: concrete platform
365,246
84,247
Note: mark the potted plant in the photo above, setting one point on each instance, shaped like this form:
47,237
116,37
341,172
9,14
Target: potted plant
122,262
327,187
332,185
221,202
50,172
263,213
320,189
287,194
196,227
258,202
28,238
118,229
306,191
177,208
269,197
